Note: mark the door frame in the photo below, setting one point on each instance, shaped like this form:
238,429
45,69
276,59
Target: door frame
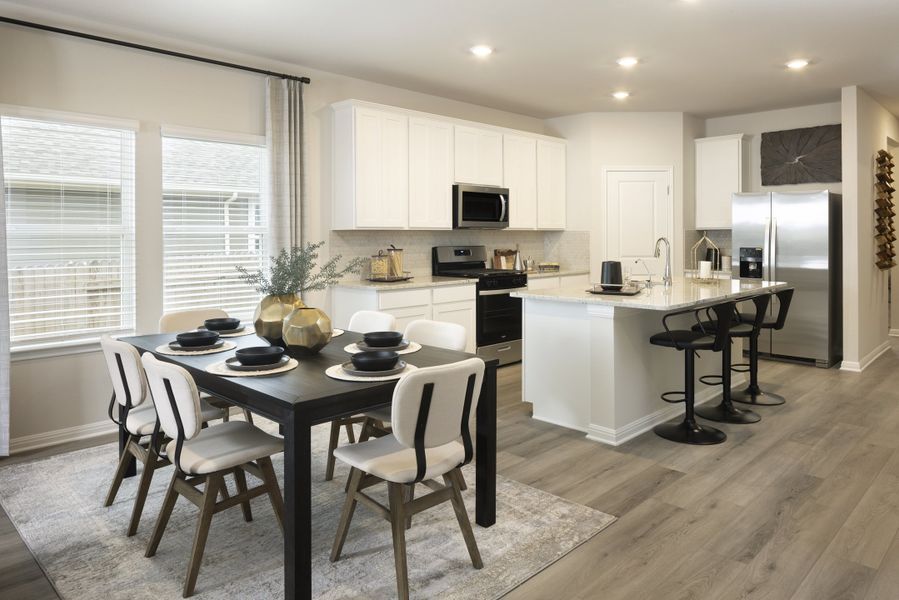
604,205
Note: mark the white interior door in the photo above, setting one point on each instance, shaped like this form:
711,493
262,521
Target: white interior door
639,210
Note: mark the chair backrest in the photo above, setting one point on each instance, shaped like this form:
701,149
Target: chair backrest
432,406
724,317
784,297
123,363
175,397
451,336
185,320
761,303
366,321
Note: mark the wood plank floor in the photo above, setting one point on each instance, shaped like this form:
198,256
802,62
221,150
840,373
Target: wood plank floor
803,505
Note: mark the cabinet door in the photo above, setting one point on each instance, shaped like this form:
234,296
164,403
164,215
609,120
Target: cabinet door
404,316
478,156
430,174
520,176
462,313
551,195
719,174
382,169
543,283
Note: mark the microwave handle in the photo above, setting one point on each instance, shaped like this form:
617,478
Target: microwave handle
503,204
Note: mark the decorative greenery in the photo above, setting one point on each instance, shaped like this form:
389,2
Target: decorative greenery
291,272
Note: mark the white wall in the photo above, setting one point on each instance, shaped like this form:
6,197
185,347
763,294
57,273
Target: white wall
867,128
596,140
754,124
61,73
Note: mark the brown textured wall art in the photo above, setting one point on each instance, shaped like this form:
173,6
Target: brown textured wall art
884,211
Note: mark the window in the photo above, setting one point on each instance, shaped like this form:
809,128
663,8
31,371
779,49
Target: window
70,230
213,220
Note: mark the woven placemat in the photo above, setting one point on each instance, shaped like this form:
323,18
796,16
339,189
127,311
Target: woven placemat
337,372
220,368
335,332
164,349
413,347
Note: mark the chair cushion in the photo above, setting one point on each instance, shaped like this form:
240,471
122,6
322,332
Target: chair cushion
683,339
142,419
386,458
383,414
736,329
225,446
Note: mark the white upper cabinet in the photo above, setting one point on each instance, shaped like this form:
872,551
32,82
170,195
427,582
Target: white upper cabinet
520,176
479,156
551,176
721,170
371,168
430,174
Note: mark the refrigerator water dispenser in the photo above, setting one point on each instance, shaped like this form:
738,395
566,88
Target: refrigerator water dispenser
750,263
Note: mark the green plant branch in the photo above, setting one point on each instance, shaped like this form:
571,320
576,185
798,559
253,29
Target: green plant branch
292,271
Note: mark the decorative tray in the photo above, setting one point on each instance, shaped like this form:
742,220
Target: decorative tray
621,292
390,278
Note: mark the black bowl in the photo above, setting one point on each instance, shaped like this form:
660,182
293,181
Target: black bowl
197,338
382,339
221,324
375,360
259,355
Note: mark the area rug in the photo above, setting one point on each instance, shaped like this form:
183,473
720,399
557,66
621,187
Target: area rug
56,505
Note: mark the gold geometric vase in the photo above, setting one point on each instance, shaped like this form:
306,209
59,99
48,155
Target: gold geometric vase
306,331
268,319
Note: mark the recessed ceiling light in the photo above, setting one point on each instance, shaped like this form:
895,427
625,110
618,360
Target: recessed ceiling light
627,61
621,95
481,50
798,63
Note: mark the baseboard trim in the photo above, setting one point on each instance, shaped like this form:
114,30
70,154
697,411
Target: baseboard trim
894,332
865,362
60,436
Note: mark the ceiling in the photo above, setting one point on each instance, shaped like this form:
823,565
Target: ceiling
706,57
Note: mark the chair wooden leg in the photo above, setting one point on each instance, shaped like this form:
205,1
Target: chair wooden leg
451,479
350,433
213,483
274,490
366,432
248,416
408,497
124,459
461,478
349,506
398,529
171,496
240,479
332,445
143,488
227,416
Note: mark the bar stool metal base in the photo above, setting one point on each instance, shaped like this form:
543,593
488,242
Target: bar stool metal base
690,432
727,413
757,397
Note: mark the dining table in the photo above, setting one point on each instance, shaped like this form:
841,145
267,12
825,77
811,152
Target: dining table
304,397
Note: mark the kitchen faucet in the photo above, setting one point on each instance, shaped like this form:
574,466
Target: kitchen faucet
666,278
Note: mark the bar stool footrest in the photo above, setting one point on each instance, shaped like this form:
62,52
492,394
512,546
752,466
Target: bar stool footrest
715,379
741,367
679,397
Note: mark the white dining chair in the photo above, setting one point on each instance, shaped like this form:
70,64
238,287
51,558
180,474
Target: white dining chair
430,438
129,386
204,457
363,321
180,321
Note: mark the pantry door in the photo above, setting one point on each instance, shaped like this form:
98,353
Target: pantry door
639,209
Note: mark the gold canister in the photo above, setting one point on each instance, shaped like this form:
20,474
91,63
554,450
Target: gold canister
380,265
395,257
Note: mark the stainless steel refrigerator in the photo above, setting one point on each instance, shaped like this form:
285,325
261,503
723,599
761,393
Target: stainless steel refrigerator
795,237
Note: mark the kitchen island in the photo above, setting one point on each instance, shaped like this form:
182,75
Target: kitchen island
588,364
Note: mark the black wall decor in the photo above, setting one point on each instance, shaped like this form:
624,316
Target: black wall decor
807,155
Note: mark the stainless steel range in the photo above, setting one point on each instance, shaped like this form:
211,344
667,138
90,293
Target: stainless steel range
498,314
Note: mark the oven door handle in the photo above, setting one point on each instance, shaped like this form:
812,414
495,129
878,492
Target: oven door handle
499,292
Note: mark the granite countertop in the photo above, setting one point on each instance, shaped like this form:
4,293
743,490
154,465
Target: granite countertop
683,293
417,282
561,273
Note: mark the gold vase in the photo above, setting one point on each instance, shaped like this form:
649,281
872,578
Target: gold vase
306,331
268,320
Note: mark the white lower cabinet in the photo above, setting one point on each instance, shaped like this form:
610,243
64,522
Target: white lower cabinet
543,283
561,281
453,304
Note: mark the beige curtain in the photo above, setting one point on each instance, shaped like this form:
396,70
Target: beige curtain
284,140
4,318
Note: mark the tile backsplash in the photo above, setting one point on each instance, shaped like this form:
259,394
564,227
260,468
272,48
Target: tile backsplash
569,248
720,237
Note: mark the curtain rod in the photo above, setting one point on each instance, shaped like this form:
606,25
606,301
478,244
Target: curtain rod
106,40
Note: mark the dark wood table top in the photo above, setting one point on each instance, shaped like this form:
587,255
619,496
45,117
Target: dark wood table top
305,388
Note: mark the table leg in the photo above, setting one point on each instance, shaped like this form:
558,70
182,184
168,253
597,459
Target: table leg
485,474
131,471
297,509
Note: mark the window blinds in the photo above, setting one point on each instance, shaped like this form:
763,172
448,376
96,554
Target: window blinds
70,229
214,219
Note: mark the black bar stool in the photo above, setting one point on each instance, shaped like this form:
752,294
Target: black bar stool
725,411
753,394
689,341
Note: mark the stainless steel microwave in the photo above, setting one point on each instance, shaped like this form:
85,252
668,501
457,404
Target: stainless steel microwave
479,207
